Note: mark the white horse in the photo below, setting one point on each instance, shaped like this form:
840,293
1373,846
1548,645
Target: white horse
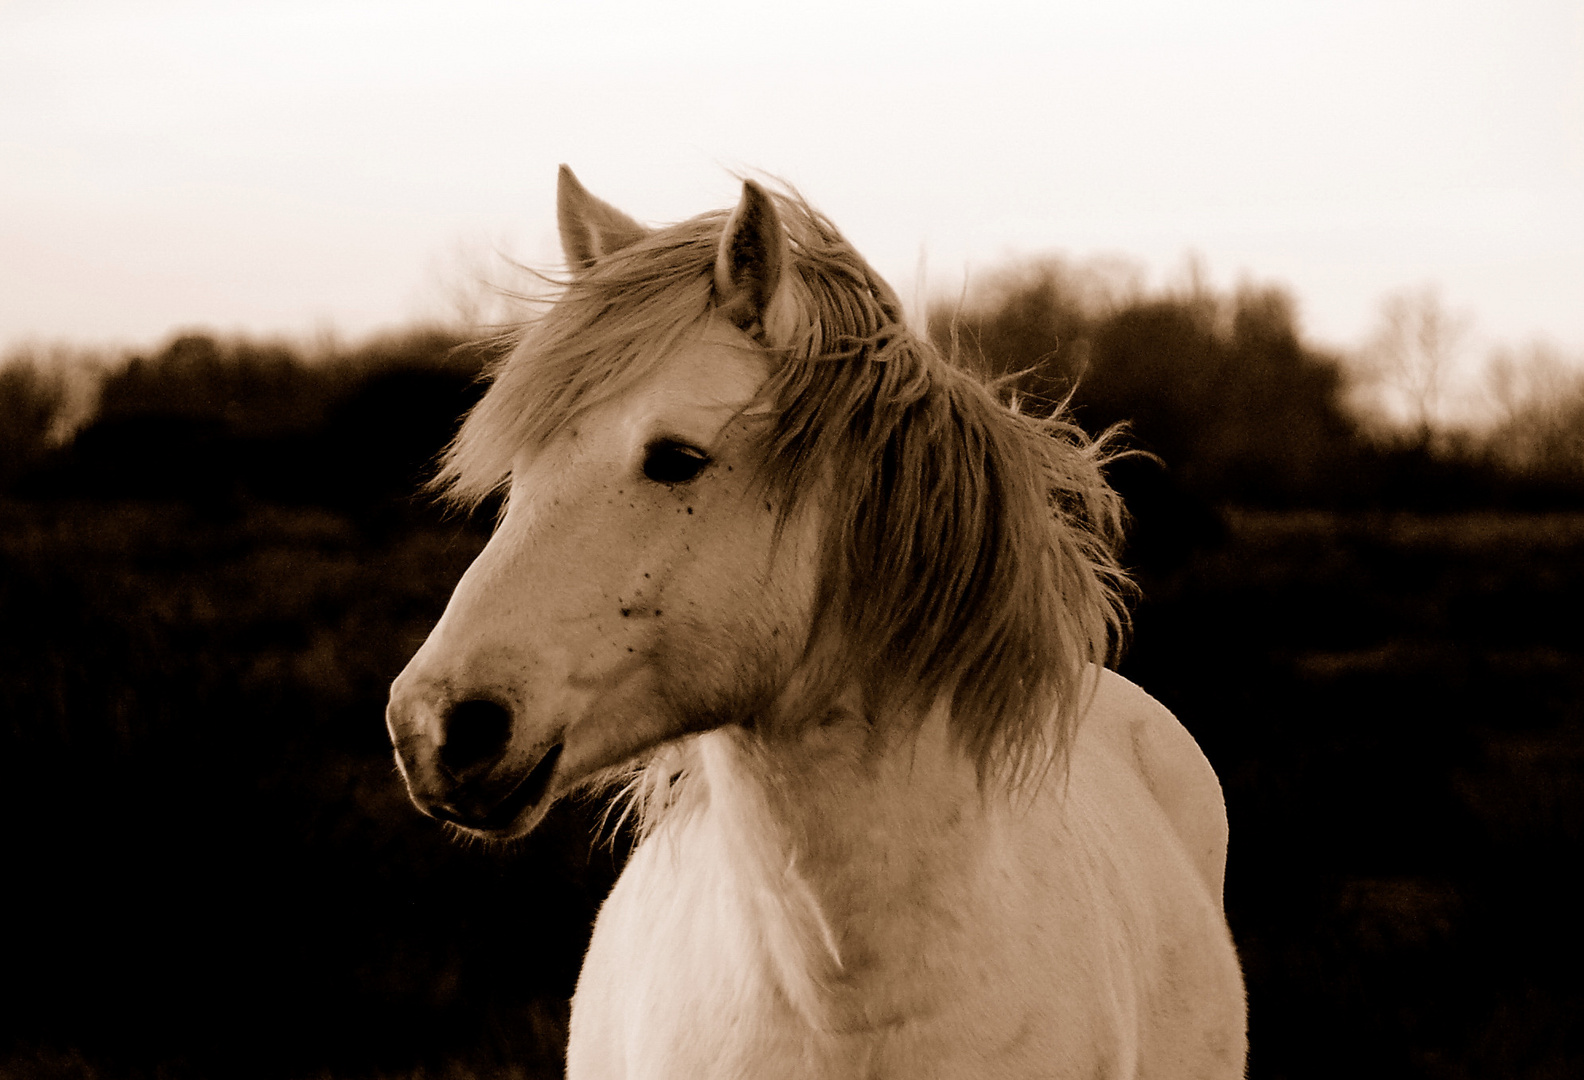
836,615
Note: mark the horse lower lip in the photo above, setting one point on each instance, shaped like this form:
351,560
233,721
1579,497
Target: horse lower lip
529,790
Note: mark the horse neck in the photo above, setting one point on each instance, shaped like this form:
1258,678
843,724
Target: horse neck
859,849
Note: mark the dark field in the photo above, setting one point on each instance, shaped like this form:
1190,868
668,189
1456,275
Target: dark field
213,870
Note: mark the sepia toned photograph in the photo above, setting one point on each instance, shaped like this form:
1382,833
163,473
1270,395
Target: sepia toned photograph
802,542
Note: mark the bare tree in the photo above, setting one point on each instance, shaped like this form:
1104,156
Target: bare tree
1413,350
1538,396
478,289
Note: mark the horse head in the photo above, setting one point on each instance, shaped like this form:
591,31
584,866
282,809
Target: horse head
631,591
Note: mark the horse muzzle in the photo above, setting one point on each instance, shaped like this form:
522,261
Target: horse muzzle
461,764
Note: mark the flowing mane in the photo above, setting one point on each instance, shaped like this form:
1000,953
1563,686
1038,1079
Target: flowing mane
969,544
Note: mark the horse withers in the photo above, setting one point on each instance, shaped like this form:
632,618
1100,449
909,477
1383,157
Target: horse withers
834,618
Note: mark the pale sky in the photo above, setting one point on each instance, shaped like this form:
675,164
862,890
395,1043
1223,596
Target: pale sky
289,167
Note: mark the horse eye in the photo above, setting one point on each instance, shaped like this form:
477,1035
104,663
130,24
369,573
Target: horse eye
669,462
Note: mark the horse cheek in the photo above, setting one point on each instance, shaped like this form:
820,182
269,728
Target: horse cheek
735,619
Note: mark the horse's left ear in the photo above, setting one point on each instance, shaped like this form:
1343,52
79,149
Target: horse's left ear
590,227
753,269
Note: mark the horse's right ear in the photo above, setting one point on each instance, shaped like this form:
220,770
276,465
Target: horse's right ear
590,227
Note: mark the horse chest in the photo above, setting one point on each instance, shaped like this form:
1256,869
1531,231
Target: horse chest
692,973
680,979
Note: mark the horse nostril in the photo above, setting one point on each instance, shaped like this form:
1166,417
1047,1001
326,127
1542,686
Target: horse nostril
476,734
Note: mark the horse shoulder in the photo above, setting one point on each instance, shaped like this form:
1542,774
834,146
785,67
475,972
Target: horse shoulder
1144,792
1171,766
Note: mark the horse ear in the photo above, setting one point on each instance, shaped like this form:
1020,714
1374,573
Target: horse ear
590,227
752,286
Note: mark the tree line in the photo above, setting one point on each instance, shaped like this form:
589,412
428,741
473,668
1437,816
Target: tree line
1220,387
1238,407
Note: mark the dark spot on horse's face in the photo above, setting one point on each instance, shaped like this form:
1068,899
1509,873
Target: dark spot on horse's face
657,613
626,611
690,509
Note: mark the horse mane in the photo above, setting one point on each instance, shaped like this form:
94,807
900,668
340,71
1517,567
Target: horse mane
970,546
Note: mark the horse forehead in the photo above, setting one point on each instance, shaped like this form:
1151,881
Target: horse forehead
692,394
719,373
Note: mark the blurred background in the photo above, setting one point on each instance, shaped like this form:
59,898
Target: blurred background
1324,261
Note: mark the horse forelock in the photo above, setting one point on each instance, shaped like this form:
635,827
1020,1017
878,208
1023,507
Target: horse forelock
969,547
598,335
